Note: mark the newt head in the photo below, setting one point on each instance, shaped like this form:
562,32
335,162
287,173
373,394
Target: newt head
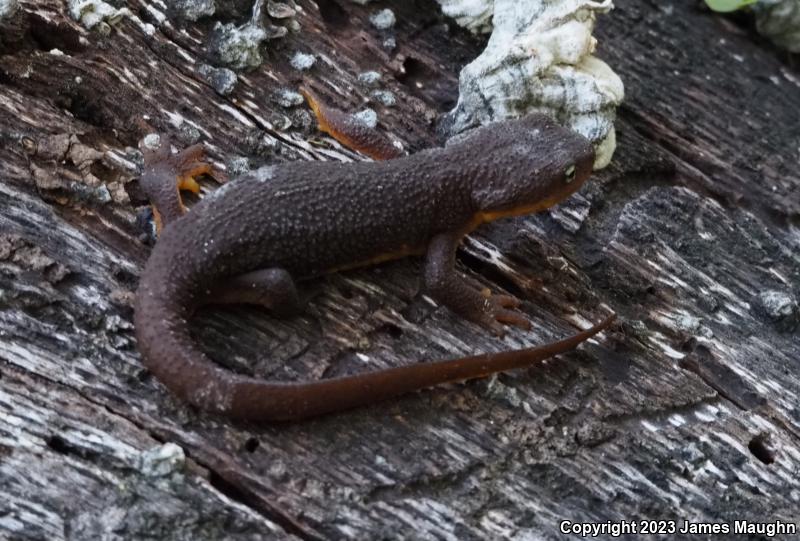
531,164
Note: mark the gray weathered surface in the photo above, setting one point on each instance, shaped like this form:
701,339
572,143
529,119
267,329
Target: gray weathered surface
692,236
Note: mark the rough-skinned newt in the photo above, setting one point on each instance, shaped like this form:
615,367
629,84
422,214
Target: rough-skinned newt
251,239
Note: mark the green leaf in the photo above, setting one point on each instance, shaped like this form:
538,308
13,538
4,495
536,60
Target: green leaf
724,6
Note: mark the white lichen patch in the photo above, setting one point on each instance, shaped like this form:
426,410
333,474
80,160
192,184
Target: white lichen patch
192,10
383,20
162,460
222,79
302,61
539,59
152,141
286,97
384,97
91,13
238,47
369,78
368,117
777,304
474,15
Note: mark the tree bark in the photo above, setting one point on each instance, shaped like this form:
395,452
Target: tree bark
686,411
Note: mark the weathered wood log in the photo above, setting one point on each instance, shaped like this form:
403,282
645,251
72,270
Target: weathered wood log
686,411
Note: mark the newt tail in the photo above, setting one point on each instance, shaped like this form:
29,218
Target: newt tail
174,358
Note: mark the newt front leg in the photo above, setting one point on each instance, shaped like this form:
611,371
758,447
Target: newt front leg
449,288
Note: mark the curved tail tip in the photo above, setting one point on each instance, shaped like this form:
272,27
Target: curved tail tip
603,325
611,318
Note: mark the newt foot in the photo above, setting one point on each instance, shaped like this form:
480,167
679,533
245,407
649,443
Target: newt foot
165,174
499,310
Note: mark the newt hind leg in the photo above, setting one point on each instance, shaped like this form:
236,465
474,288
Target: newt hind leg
165,174
349,131
272,288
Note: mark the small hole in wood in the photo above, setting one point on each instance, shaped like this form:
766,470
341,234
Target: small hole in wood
48,35
85,108
332,13
125,277
762,449
57,444
346,293
251,445
392,330
415,73
229,489
689,344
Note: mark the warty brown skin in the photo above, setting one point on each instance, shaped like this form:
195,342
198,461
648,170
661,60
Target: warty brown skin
251,239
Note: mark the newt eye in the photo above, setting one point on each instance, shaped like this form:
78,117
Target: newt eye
569,173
